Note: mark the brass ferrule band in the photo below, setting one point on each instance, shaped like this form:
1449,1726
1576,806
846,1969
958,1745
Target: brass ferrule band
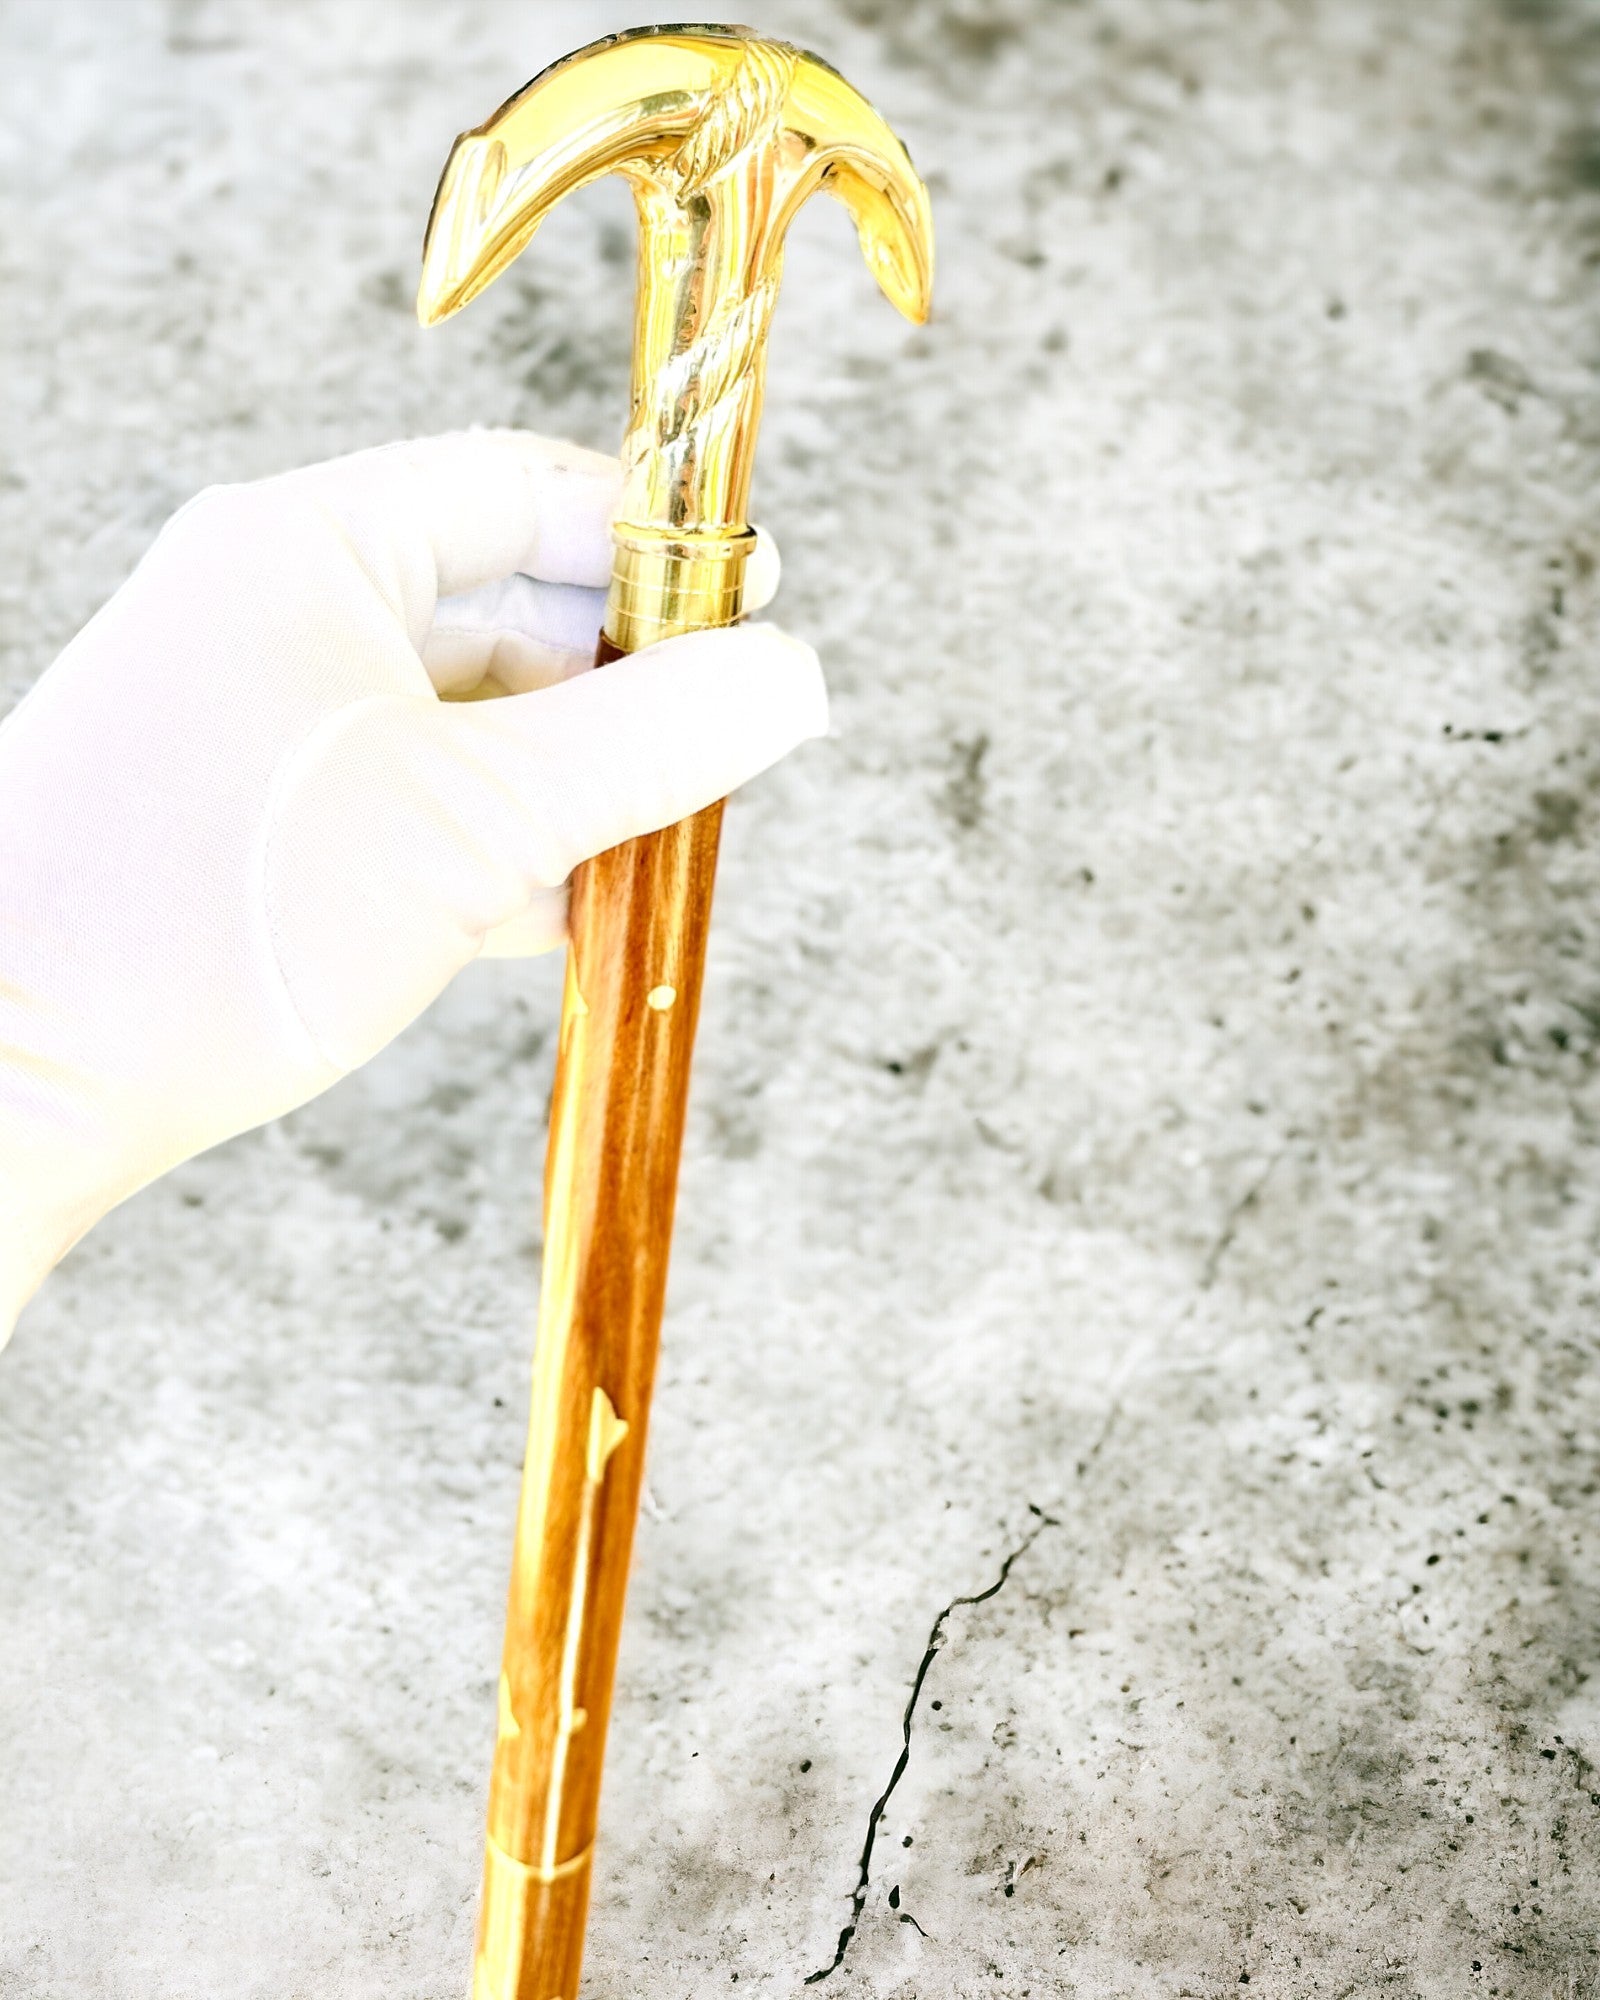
664,583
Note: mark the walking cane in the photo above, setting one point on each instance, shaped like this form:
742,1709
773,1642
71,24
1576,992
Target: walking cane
722,135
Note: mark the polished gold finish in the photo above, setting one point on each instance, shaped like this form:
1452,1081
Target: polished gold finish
662,584
722,135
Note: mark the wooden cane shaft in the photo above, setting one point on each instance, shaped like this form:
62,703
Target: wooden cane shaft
638,924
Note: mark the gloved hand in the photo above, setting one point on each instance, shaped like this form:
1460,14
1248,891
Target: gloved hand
243,842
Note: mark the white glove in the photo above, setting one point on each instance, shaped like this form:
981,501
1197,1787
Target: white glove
242,840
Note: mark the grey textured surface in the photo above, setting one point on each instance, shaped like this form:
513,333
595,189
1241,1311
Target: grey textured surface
1148,1074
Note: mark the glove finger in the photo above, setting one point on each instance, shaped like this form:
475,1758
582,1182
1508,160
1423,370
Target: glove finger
407,830
541,927
458,511
521,633
473,666
762,573
572,770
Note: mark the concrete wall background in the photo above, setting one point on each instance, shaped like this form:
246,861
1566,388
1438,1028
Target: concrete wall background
1147,1081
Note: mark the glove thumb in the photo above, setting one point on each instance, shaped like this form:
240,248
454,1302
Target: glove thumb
405,829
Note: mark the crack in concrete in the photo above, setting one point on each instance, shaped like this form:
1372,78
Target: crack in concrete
1230,1227
934,1647
905,1916
1208,1275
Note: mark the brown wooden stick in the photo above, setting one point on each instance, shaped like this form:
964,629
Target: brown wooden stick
639,918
